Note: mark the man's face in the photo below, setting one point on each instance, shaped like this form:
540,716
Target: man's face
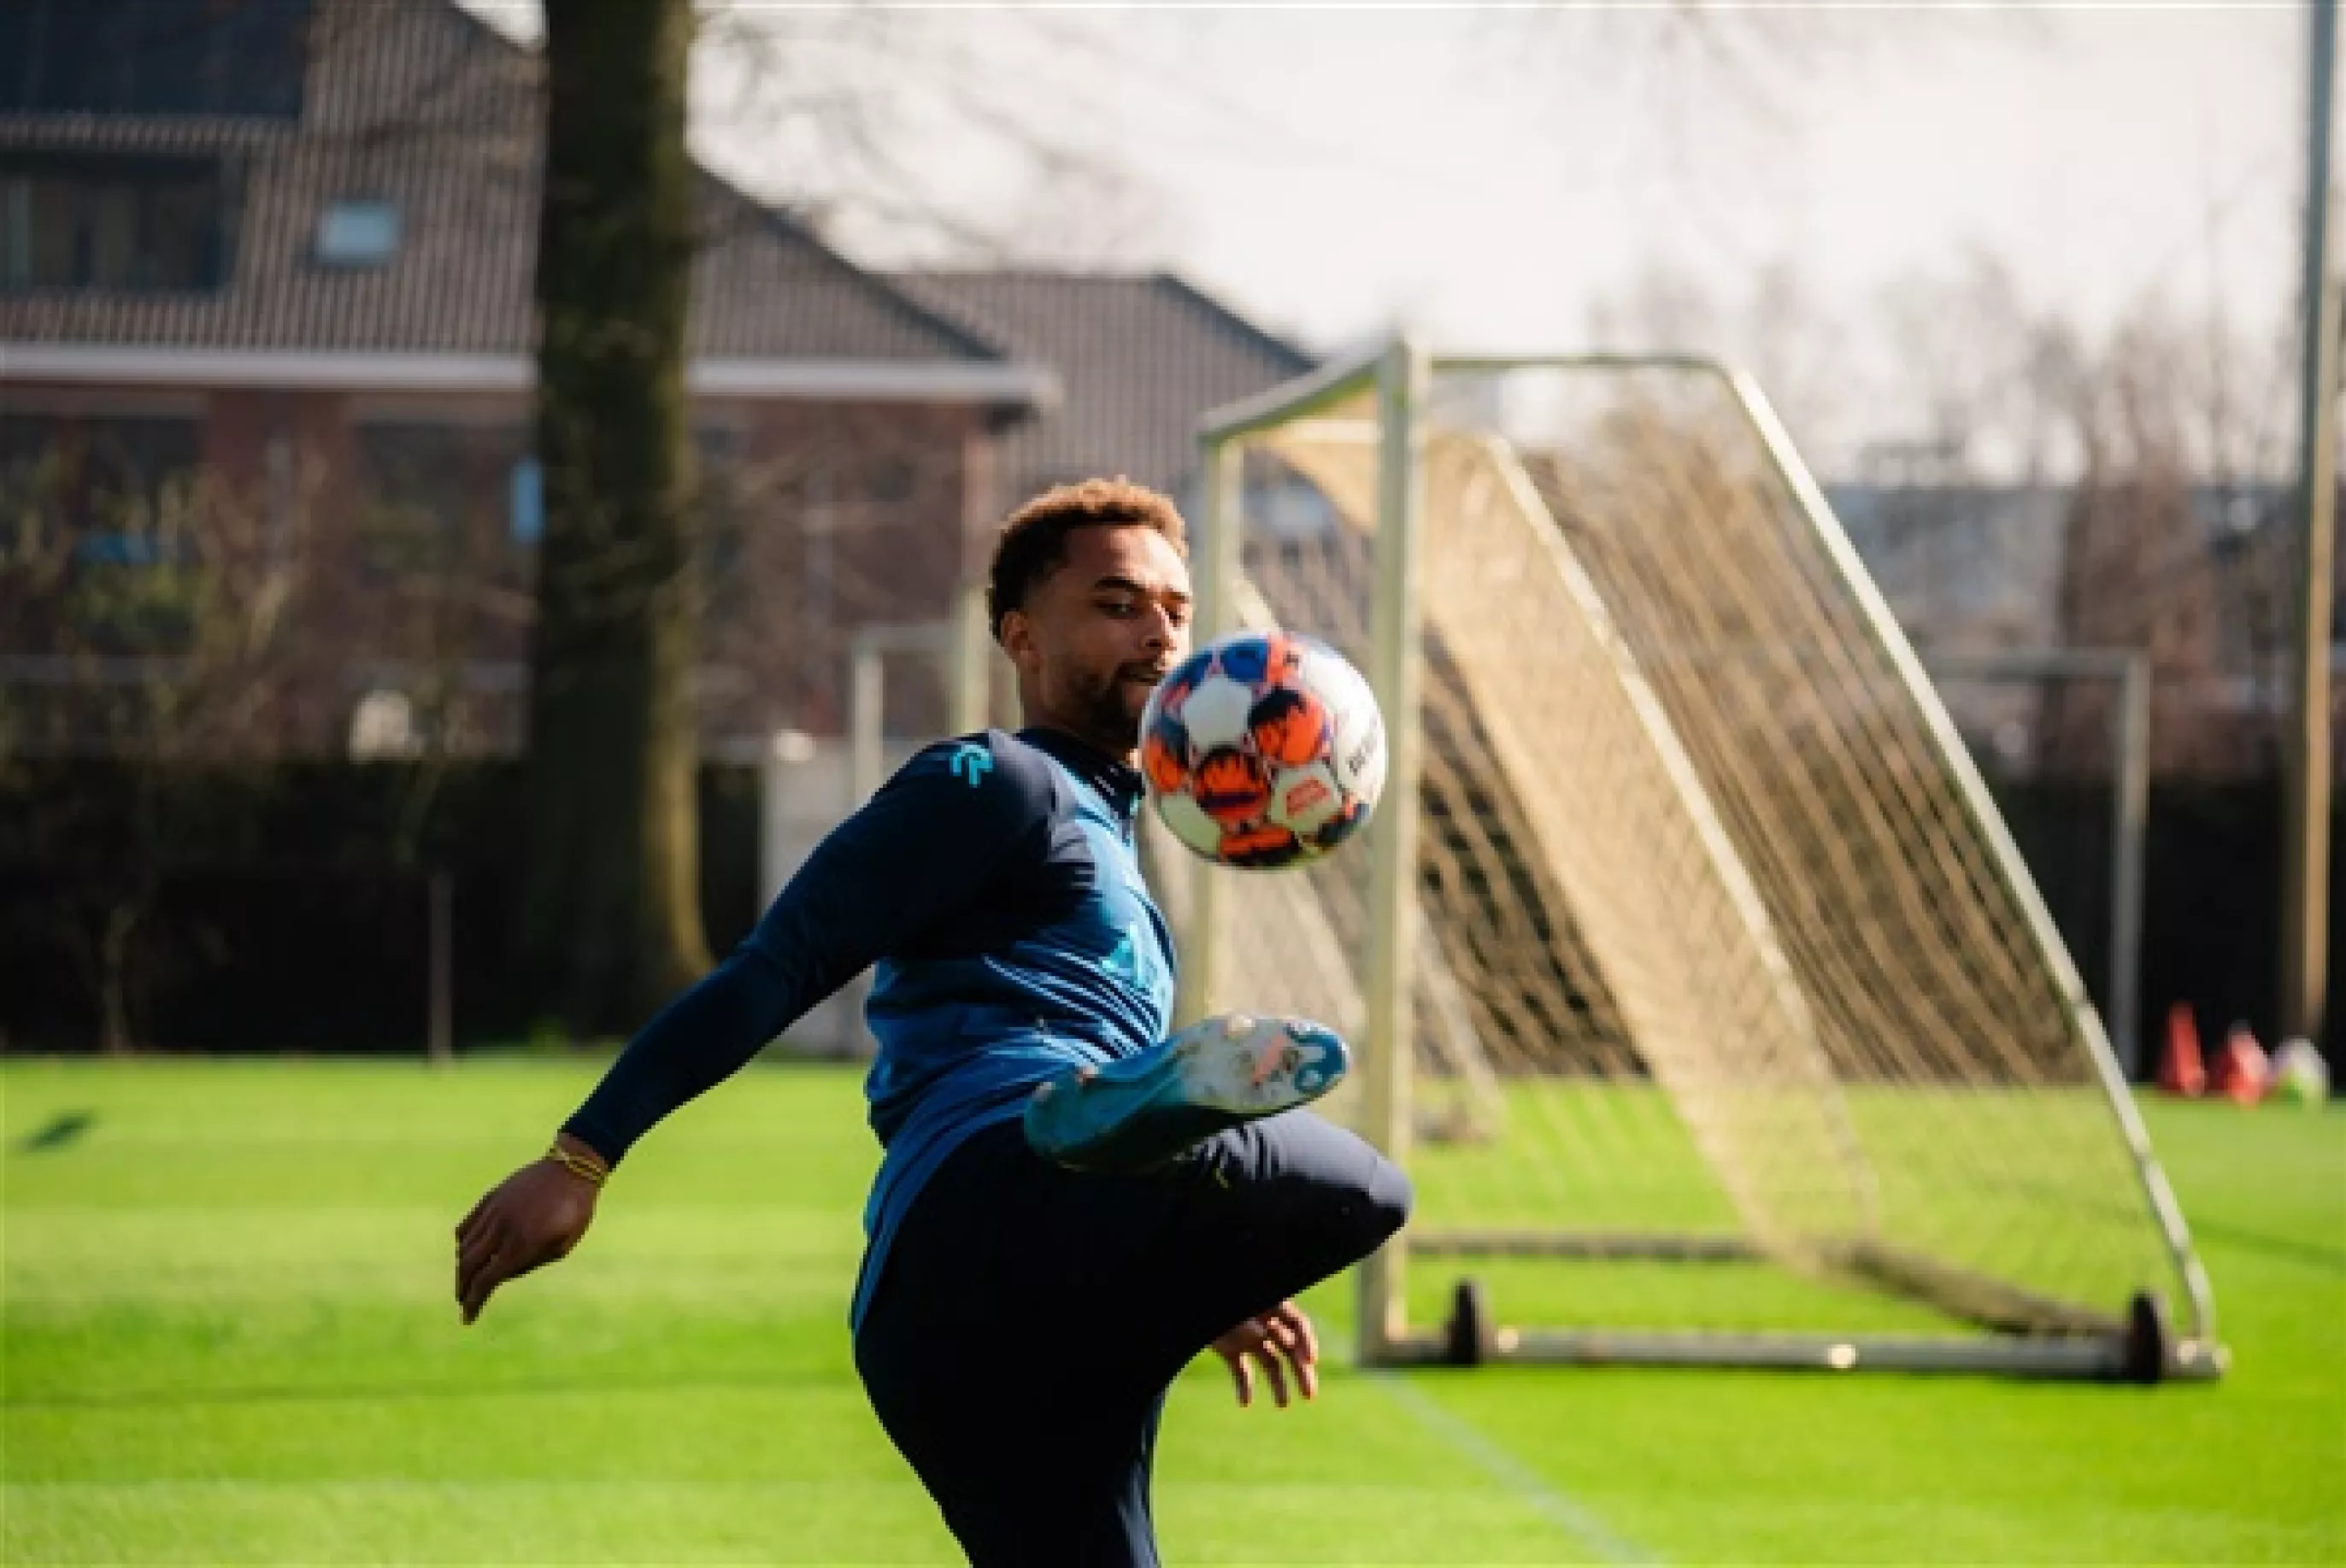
1096,634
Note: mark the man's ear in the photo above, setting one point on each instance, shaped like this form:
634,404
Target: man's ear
1017,639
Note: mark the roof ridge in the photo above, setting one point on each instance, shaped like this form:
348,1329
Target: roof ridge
1199,299
498,37
1165,279
957,334
1035,273
964,335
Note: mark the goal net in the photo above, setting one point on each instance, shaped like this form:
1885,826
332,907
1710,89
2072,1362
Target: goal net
1700,986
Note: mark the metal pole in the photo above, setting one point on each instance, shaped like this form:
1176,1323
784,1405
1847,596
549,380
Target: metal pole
969,666
1223,528
1395,670
2129,669
441,1027
866,695
866,717
2128,834
2305,853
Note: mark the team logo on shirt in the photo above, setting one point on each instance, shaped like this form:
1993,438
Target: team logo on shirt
970,764
1135,962
1124,963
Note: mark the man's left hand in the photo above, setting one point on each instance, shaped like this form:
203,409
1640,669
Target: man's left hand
1282,1340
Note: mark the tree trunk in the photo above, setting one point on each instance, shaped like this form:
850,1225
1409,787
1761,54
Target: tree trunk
611,923
114,981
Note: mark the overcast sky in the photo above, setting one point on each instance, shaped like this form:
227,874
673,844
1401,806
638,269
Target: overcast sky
1488,175
1485,175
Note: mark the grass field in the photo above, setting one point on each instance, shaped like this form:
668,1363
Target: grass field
229,1338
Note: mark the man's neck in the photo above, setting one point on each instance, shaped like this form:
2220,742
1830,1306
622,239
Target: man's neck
1129,756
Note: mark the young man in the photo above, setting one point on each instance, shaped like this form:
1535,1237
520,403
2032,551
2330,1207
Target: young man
1069,1207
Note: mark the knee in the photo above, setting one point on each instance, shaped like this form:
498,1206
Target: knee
1391,1199
1377,1208
1323,1190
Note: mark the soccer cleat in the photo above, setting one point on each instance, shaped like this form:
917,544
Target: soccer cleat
1147,1109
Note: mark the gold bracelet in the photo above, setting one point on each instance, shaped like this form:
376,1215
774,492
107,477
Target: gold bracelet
584,1169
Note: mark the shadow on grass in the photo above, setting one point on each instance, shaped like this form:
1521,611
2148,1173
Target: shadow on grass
2331,1259
58,1132
329,1393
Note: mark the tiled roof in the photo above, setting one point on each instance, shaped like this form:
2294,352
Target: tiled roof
416,103
1138,360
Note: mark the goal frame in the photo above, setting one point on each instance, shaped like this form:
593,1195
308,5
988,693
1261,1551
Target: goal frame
2136,1341
2128,671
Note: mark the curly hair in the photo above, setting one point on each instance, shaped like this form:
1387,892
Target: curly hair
1032,542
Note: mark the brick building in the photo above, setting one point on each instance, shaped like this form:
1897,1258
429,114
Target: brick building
265,272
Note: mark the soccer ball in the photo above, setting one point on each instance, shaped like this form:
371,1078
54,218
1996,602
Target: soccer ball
1263,750
2299,1077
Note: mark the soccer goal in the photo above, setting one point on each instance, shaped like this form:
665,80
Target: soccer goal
1700,987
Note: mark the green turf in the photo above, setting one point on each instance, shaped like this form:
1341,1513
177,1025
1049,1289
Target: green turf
229,1338
2034,1188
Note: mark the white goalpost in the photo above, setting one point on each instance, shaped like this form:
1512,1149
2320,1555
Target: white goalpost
1700,987
2072,683
807,787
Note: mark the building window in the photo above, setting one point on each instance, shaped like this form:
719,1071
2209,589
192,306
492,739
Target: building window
525,502
437,500
890,481
723,490
245,58
98,479
68,221
357,234
93,512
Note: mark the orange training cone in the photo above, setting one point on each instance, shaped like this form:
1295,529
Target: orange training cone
2182,1073
2241,1071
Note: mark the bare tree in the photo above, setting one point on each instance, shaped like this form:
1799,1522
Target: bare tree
2168,527
835,98
1778,327
931,135
2160,440
611,925
163,606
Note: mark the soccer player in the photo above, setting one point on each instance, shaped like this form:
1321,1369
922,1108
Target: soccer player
1070,1207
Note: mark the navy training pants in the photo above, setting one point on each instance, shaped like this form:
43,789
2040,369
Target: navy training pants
1019,1344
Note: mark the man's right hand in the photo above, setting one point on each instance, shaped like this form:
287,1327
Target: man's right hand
1284,1331
534,1216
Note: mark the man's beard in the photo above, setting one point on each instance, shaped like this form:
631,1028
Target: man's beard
1107,715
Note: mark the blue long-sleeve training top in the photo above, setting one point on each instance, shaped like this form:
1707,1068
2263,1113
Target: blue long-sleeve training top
995,885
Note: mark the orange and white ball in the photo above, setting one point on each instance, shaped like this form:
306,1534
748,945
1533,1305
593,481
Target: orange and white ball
1263,750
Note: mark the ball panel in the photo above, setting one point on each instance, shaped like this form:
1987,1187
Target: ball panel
1231,786
1165,755
1215,714
1305,800
1244,658
1359,731
1262,847
1290,726
1359,762
1174,690
1188,822
1341,827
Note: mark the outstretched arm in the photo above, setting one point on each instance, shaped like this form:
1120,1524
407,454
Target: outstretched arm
533,1218
924,845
